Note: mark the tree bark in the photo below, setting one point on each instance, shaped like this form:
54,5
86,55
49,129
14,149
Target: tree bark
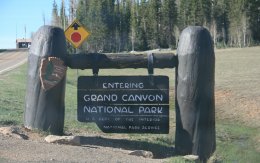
44,109
195,103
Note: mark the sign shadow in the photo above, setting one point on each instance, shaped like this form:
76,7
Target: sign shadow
159,151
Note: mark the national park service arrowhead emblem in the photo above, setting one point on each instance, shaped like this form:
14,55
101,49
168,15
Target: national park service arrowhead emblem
52,71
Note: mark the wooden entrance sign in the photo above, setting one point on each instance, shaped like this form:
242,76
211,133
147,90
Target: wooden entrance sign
125,104
117,106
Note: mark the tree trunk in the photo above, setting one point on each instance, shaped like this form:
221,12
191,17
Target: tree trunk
244,29
195,104
214,32
44,109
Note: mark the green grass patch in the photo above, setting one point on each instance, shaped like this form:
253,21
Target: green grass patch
235,143
12,96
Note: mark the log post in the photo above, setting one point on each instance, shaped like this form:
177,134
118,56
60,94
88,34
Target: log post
45,106
120,61
195,103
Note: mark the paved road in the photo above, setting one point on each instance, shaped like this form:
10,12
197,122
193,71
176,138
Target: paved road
11,59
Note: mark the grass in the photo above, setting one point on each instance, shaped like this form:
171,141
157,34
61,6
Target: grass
12,95
239,68
236,70
235,143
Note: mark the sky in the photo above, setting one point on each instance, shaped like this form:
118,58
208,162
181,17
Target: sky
18,15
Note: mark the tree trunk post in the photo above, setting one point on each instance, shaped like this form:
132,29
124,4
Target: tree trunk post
195,103
44,108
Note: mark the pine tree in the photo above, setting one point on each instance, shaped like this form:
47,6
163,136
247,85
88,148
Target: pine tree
207,11
72,10
169,20
254,19
81,15
184,14
154,19
133,24
239,20
220,12
142,22
108,18
55,17
63,17
97,26
122,24
125,25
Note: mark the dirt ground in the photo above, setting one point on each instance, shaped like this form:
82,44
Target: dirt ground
231,107
16,150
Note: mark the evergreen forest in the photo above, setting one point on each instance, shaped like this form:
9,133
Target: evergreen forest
137,25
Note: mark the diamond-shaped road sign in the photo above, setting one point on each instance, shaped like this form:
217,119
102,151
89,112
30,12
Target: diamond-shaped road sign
76,34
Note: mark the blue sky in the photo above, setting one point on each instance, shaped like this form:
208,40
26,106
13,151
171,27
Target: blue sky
15,15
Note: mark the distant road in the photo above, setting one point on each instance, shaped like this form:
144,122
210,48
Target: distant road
11,59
